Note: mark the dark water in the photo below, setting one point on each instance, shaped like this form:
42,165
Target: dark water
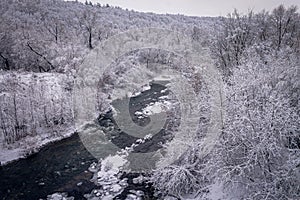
60,166
57,167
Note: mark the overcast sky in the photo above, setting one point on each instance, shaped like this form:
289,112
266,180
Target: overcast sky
197,7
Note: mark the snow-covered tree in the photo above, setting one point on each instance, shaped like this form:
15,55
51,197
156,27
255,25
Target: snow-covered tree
258,155
275,31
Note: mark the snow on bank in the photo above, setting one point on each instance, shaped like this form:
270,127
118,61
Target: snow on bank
29,145
137,93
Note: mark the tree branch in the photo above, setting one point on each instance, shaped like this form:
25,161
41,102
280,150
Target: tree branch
41,55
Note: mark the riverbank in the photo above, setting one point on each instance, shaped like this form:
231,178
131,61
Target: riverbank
29,146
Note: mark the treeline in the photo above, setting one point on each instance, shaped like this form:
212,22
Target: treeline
54,35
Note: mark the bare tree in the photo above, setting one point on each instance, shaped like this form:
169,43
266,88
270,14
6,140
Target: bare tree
236,34
54,26
284,22
5,50
262,31
42,69
88,23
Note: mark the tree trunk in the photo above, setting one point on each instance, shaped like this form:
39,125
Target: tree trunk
17,125
42,56
90,38
6,63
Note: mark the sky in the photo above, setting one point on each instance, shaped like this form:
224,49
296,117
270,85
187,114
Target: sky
197,7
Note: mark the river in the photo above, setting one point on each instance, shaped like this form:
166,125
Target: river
62,166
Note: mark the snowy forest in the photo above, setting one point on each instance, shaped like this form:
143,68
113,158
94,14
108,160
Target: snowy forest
44,45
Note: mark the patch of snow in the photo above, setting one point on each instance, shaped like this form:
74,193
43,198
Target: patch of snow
164,91
163,97
8,155
133,197
163,78
215,192
113,162
135,94
139,180
107,175
116,188
139,113
155,108
138,193
108,172
146,87
59,196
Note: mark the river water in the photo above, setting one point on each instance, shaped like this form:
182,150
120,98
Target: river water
62,166
56,167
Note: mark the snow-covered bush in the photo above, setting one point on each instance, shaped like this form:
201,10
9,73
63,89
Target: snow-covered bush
176,180
185,177
258,154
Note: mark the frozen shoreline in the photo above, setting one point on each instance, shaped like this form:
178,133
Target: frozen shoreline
10,155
